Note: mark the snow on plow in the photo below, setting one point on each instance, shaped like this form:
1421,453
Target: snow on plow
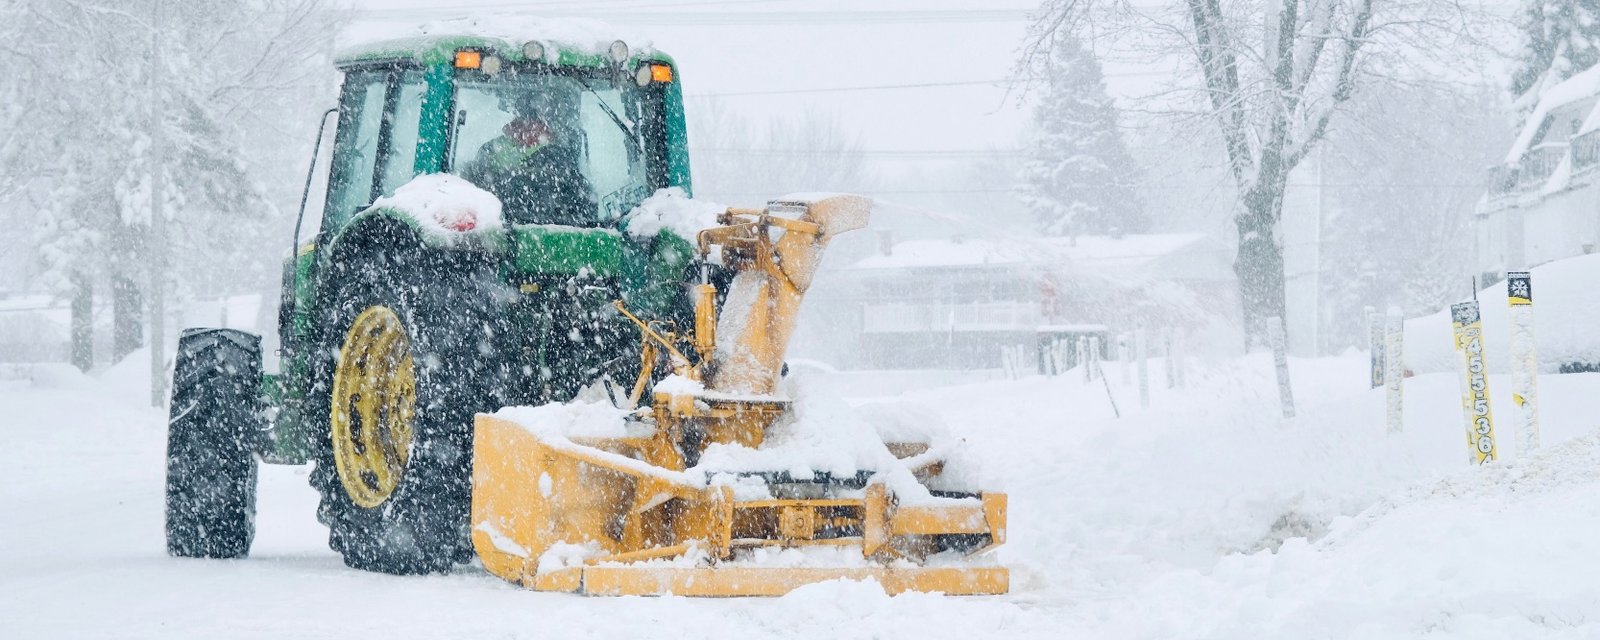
722,485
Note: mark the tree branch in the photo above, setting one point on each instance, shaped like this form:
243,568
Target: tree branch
1219,67
1344,83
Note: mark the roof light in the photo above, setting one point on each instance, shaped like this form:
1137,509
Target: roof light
648,73
491,64
469,59
533,50
619,52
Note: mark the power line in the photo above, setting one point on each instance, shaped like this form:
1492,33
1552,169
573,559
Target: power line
874,192
737,18
876,153
606,6
914,85
1189,187
876,87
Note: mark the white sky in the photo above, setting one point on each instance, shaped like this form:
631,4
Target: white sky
778,45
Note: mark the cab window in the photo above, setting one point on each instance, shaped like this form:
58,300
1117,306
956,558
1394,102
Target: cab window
400,156
555,148
355,154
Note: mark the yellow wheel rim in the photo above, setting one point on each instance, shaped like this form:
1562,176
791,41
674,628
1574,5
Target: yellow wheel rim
374,402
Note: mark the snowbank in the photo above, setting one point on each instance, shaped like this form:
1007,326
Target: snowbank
1203,516
1485,553
129,379
670,209
55,375
1565,310
445,204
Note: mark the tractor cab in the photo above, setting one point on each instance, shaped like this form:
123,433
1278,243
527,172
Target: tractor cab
569,138
560,135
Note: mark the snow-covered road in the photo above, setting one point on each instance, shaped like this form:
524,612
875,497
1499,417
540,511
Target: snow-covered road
1164,523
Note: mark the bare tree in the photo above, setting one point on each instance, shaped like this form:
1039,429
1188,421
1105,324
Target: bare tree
1400,181
1273,77
738,163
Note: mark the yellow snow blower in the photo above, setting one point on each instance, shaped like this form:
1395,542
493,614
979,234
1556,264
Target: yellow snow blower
639,508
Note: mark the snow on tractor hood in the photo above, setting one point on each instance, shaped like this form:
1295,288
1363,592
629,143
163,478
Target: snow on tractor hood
672,209
443,204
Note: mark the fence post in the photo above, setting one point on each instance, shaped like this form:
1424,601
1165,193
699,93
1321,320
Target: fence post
1524,361
1180,354
1172,363
81,334
1126,356
1082,345
1394,373
1375,345
1139,349
1105,383
1094,359
1280,361
1468,329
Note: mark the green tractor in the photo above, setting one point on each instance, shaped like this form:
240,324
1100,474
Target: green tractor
399,323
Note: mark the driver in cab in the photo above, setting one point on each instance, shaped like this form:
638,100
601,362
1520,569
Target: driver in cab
532,166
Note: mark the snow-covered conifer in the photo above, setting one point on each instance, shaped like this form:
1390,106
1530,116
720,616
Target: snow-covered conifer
1559,39
234,97
1078,176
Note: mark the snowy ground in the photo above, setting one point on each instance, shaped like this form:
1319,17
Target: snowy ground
1169,522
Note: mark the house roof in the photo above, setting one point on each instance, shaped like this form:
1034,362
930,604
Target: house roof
1083,251
1584,84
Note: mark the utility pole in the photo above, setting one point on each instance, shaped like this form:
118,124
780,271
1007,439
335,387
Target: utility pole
1316,246
156,242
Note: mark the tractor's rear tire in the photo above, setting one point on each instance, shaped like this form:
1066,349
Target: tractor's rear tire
447,308
214,422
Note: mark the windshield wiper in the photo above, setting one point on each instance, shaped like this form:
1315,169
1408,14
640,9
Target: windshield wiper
614,117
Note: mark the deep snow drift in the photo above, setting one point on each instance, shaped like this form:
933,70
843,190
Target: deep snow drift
1566,304
1203,516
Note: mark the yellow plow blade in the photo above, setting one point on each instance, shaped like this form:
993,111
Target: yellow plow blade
601,517
776,581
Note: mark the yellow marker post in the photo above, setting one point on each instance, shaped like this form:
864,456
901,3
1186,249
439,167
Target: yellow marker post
1468,326
1524,361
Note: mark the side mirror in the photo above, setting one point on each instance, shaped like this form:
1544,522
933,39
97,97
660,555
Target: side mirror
311,172
292,285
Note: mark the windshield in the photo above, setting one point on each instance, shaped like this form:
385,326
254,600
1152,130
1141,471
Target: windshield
556,149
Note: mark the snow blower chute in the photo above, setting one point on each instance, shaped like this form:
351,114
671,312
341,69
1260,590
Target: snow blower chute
611,501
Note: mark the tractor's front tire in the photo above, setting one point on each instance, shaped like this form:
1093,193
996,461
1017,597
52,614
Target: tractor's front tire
211,466
410,334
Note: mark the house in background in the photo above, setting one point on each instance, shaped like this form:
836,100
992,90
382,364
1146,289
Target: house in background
1543,202
957,304
33,328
